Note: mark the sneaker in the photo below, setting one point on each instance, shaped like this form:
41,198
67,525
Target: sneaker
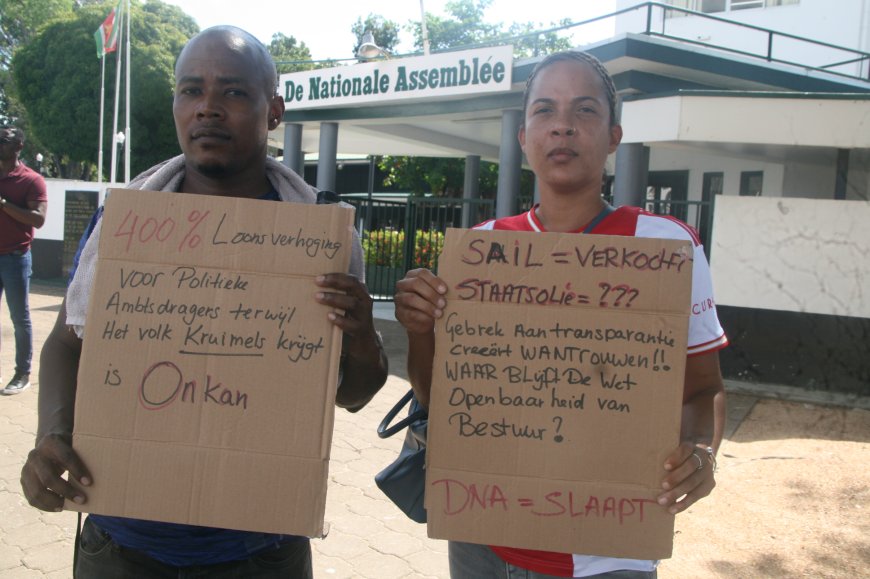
19,383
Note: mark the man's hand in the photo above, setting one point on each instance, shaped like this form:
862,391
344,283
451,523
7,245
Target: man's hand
420,301
352,297
41,478
366,365
690,475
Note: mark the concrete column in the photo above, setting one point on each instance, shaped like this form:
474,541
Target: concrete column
509,164
631,175
842,179
293,155
471,190
326,165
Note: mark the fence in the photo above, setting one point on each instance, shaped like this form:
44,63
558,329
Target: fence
398,236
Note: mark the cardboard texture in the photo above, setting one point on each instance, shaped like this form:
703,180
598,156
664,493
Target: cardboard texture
208,374
557,391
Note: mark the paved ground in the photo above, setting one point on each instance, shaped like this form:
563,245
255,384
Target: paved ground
793,495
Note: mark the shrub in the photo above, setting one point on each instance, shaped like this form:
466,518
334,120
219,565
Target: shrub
427,248
386,247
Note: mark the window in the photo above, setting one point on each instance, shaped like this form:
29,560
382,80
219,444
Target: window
744,4
713,6
707,6
750,183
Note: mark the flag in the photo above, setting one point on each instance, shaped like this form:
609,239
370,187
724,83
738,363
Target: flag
107,34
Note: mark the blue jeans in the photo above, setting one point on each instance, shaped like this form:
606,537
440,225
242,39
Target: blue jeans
15,269
470,561
99,557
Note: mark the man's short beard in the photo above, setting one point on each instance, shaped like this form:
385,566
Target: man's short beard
213,170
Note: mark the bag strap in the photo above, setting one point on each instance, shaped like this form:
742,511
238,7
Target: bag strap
384,428
608,209
76,544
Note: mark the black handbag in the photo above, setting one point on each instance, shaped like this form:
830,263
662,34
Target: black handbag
404,481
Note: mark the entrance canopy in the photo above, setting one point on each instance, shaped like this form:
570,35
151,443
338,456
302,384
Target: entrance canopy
394,109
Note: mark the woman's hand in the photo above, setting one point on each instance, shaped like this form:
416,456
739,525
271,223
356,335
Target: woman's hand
690,475
420,301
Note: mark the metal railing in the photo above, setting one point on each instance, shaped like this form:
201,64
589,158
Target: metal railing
406,235
655,23
398,236
775,42
697,214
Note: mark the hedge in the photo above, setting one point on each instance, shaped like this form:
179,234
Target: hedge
386,247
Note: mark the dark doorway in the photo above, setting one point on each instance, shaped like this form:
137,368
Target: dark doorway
713,185
751,183
667,192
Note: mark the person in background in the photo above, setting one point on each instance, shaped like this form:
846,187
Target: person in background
568,131
225,104
23,205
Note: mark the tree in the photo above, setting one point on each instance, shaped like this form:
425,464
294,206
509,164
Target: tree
58,75
385,32
464,26
442,176
527,42
19,23
288,53
23,18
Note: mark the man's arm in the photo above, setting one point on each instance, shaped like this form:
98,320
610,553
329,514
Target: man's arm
690,472
41,477
33,214
365,364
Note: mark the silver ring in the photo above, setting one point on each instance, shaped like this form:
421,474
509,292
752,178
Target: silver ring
700,461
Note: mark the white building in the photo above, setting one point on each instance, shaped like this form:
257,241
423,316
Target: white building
750,119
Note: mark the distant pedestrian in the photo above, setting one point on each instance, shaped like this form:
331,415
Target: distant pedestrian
23,204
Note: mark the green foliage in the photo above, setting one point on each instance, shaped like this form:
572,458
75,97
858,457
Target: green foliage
442,177
20,20
386,247
532,44
463,26
386,32
287,52
427,248
58,75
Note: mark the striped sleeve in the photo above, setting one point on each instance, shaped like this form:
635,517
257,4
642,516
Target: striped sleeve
705,331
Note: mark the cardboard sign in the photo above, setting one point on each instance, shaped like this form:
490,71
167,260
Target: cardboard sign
208,375
557,391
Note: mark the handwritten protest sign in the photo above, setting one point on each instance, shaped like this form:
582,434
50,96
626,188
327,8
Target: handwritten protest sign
557,389
208,374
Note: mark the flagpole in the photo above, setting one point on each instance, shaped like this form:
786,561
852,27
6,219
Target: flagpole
118,62
102,111
127,142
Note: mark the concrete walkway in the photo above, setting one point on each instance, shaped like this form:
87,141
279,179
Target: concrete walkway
368,537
